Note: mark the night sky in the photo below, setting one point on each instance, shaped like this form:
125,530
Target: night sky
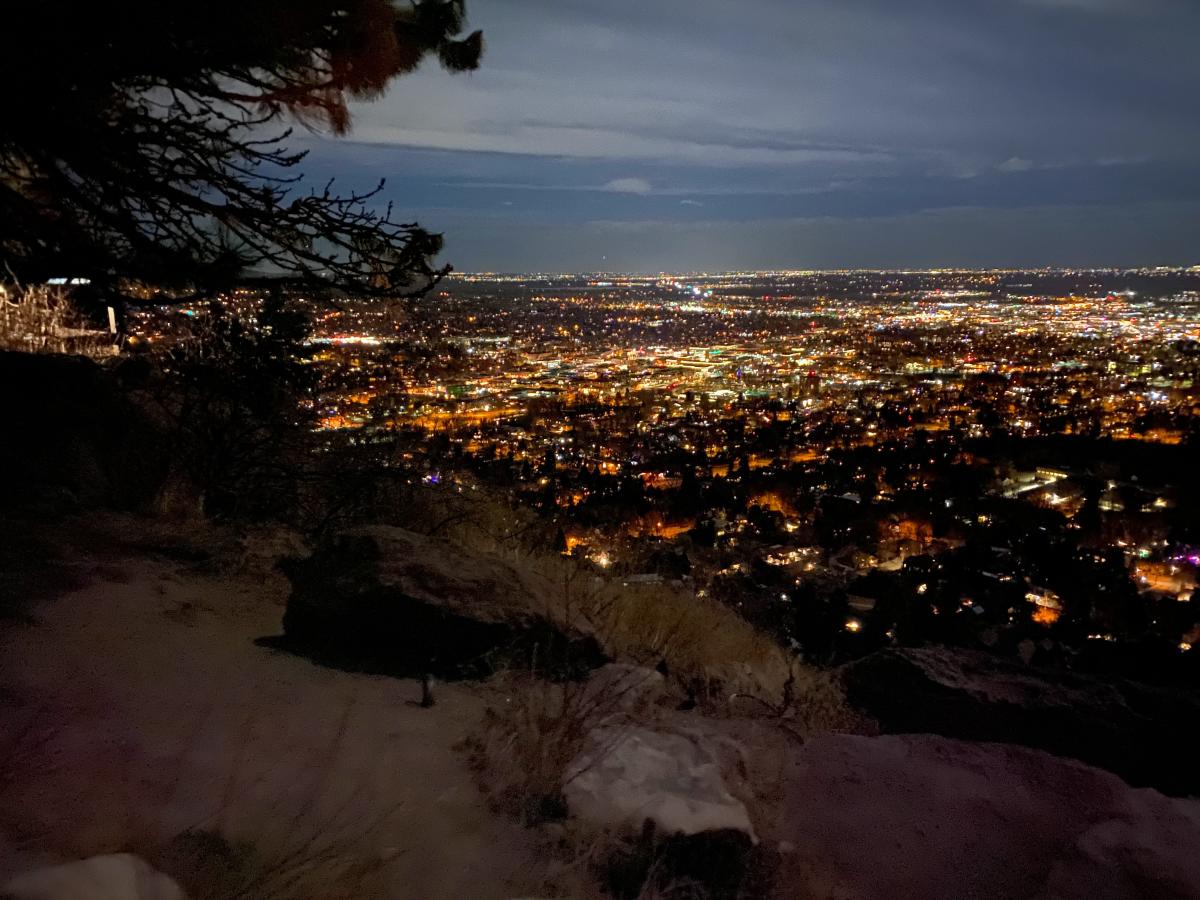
677,135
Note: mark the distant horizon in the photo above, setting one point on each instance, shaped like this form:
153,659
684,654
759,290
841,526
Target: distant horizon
840,270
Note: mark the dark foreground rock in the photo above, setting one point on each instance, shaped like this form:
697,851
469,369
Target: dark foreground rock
389,601
1149,736
76,436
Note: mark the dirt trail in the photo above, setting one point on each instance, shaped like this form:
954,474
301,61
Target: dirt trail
138,705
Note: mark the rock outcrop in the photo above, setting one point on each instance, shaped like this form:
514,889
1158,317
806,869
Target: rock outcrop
385,600
118,877
620,689
917,816
1149,736
890,817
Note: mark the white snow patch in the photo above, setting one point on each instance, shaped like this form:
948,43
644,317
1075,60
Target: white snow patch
118,877
627,775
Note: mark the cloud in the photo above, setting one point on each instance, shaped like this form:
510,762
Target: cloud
629,186
585,142
1016,164
805,82
1093,6
854,108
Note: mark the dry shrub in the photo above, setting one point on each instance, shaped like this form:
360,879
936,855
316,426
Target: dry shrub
527,750
813,702
523,750
532,748
42,319
817,704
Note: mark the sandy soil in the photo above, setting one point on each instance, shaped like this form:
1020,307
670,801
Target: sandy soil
135,704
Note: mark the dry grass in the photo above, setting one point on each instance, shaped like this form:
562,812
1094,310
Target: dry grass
526,754
709,650
706,646
305,847
816,704
210,867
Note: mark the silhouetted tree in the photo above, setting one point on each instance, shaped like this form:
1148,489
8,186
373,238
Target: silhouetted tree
230,400
144,141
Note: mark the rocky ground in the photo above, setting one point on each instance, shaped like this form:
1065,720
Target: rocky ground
925,816
138,703
1150,736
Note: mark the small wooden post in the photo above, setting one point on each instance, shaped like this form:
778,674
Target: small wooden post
426,691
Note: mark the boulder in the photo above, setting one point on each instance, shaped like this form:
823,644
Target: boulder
118,877
1149,736
1132,856
382,599
259,549
621,689
626,775
916,816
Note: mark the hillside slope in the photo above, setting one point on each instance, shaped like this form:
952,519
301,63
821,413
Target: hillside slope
137,706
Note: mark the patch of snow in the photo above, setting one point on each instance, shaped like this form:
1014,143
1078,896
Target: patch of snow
117,877
627,775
